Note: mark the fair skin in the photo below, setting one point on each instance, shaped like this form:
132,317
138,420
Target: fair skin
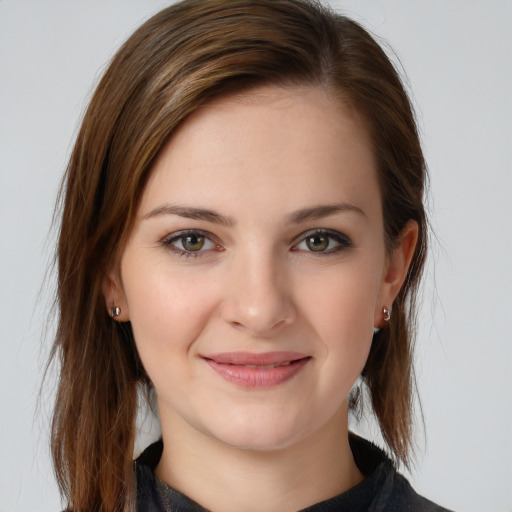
253,278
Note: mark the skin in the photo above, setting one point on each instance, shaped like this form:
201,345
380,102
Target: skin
257,285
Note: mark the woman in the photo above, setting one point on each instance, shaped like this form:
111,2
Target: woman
242,231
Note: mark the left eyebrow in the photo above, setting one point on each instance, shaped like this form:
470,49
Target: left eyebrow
321,211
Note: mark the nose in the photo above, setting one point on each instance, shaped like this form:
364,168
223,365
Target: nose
258,297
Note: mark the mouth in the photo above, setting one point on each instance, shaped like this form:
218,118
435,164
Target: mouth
251,370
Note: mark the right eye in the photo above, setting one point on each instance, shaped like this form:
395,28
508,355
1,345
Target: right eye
189,243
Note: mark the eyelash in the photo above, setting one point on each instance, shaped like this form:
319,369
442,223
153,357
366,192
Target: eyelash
342,240
169,242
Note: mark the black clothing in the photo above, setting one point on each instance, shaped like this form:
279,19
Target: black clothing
383,489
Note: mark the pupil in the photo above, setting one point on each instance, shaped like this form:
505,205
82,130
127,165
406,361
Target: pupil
318,243
193,242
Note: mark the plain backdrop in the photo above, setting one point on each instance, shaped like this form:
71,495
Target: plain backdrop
458,58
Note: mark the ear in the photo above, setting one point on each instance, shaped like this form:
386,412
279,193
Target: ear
395,270
114,296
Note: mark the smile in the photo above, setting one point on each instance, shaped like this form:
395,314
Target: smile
251,370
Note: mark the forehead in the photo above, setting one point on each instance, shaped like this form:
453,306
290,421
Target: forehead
270,145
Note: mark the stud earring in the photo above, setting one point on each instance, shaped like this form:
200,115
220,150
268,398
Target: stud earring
115,312
387,314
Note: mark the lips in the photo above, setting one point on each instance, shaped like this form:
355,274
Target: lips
250,370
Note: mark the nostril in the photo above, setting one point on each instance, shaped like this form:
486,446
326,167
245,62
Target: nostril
281,323
259,308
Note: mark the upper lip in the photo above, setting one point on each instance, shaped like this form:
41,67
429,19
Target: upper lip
251,358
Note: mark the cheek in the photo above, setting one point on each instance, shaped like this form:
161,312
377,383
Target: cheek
341,305
167,308
341,312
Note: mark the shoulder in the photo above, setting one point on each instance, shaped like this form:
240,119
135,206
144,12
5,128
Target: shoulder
393,492
401,497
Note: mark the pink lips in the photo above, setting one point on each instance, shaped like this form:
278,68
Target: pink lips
252,370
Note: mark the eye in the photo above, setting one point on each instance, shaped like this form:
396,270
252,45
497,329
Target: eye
189,243
323,242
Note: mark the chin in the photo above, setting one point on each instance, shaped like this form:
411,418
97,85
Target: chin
262,444
258,435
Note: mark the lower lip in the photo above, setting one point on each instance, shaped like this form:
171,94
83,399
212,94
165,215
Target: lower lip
257,378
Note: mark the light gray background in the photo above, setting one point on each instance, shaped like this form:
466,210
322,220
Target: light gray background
458,58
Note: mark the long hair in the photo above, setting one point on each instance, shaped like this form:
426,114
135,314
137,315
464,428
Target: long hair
177,61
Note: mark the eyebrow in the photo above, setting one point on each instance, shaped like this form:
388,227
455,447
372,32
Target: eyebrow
190,213
321,211
303,215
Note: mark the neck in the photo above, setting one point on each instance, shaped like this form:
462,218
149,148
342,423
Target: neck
222,477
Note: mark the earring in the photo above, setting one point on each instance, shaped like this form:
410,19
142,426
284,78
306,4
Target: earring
386,316
116,311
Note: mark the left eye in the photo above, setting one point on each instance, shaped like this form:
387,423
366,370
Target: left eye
323,242
189,242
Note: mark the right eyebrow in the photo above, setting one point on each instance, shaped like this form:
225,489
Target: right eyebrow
190,213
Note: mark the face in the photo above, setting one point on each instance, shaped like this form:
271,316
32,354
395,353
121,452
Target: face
256,269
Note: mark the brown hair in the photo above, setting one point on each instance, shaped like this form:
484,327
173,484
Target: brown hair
180,59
